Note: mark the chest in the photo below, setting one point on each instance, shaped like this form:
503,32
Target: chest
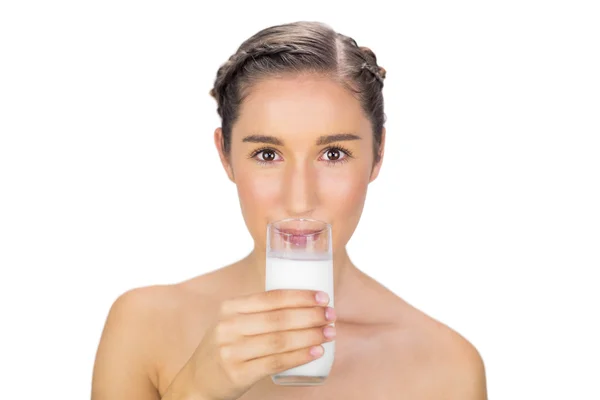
363,368
346,381
370,371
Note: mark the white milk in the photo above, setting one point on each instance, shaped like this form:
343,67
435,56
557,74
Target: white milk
302,272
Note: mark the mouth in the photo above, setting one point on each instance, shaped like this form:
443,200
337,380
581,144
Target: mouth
300,233
300,237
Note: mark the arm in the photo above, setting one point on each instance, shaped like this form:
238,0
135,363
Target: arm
470,382
122,365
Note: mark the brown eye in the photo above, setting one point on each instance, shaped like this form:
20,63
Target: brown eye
268,155
333,154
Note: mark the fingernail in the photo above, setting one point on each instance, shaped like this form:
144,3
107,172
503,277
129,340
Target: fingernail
316,351
329,332
330,314
322,298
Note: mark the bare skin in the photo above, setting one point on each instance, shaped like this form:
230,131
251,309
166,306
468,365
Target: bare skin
283,164
385,348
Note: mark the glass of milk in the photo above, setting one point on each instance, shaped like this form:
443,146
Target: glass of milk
299,256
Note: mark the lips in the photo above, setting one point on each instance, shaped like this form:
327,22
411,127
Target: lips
297,240
300,237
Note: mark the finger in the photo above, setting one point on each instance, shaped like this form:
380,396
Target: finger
273,364
276,299
282,342
282,320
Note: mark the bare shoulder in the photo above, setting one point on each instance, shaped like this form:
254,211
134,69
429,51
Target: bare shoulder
157,304
149,309
146,307
430,357
457,363
143,302
124,344
139,328
447,365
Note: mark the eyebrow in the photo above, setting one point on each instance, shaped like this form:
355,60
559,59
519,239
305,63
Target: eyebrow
322,140
339,137
263,139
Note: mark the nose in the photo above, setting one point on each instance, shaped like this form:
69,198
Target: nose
300,191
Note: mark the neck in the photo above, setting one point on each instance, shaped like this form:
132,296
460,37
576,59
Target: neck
254,266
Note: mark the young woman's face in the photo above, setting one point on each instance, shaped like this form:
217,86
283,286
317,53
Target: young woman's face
301,147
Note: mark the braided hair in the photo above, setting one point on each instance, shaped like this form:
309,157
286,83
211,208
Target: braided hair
300,47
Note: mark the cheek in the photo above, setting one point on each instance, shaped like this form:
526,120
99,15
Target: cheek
342,197
257,191
259,195
342,193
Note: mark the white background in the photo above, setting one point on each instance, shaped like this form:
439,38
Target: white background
485,216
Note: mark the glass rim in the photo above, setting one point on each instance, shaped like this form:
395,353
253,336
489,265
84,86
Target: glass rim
273,225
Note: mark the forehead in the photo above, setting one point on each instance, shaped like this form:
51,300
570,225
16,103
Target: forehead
301,105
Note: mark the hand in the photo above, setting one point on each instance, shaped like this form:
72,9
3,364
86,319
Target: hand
256,336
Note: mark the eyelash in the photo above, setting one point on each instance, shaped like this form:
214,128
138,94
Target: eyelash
347,152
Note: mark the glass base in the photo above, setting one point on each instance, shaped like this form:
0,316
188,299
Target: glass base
297,380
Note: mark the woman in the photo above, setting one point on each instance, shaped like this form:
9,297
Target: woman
302,135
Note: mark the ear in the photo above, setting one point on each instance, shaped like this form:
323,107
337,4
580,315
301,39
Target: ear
218,137
377,167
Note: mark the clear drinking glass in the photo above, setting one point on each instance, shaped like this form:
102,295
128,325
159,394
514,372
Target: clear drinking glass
299,256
